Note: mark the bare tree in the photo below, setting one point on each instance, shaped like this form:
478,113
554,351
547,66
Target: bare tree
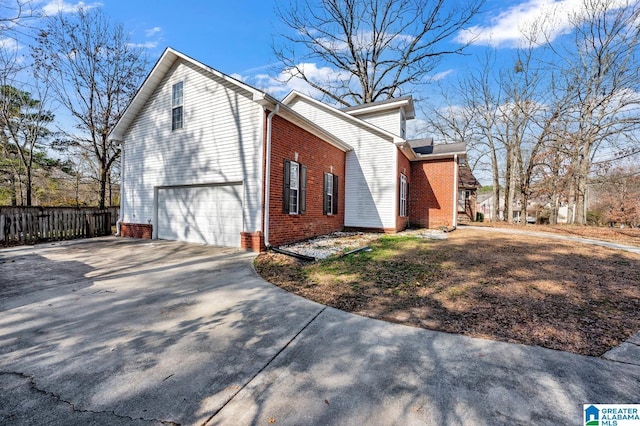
602,77
374,48
95,72
14,14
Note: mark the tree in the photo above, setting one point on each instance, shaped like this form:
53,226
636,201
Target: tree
95,72
13,14
616,195
602,70
374,47
24,123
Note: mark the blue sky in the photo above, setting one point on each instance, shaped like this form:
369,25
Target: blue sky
235,37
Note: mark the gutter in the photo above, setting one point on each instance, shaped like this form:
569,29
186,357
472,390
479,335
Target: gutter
267,184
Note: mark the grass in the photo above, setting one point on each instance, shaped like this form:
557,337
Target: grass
561,295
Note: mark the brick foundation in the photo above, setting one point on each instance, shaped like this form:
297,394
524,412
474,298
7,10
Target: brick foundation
136,230
253,241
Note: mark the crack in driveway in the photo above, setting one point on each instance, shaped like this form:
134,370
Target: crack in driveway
49,394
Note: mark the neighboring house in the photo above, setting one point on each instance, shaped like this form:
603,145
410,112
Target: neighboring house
467,198
207,158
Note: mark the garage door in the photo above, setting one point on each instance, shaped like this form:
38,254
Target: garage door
201,214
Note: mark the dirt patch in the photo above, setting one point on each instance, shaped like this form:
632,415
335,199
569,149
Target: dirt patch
629,236
562,295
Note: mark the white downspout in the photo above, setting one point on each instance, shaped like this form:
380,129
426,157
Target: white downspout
455,191
267,176
119,221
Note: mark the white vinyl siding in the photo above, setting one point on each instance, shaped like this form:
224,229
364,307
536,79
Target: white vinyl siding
391,121
370,178
221,142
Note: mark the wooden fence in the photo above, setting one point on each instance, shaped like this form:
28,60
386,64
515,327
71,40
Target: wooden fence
33,224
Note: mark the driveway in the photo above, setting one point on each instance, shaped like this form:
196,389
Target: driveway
120,331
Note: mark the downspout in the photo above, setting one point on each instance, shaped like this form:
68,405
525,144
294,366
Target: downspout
267,176
119,221
455,191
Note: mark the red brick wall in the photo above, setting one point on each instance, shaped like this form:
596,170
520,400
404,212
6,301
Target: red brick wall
404,167
136,230
253,241
318,156
431,194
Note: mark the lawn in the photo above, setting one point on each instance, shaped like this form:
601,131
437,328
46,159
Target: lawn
556,294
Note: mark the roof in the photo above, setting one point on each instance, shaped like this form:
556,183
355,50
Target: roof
481,198
164,64
403,101
466,179
440,149
418,143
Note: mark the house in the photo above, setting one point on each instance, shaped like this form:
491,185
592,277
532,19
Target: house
207,158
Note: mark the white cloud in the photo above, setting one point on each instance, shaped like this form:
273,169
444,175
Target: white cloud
152,31
145,45
290,79
506,29
10,44
440,76
237,76
55,7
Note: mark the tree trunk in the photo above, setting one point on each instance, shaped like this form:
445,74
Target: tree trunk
28,189
103,186
495,211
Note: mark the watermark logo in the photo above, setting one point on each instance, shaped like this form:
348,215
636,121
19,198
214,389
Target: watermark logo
611,415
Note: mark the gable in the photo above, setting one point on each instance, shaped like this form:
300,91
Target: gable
165,64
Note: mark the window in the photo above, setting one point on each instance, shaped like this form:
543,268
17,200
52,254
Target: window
177,120
330,194
293,189
404,189
294,199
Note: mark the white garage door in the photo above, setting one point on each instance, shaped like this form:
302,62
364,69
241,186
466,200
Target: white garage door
201,214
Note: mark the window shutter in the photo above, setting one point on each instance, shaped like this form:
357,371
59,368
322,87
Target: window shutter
303,189
407,207
287,186
335,194
325,196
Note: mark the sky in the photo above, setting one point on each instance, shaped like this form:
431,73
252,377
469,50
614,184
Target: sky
234,37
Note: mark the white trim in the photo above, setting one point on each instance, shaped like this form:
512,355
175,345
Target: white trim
376,108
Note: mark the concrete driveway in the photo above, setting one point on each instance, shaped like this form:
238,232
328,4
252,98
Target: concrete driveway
118,331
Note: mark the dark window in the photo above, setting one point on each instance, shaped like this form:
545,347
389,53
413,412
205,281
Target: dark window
294,199
177,118
330,194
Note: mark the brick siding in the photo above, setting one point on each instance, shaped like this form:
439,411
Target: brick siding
431,195
319,157
136,230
